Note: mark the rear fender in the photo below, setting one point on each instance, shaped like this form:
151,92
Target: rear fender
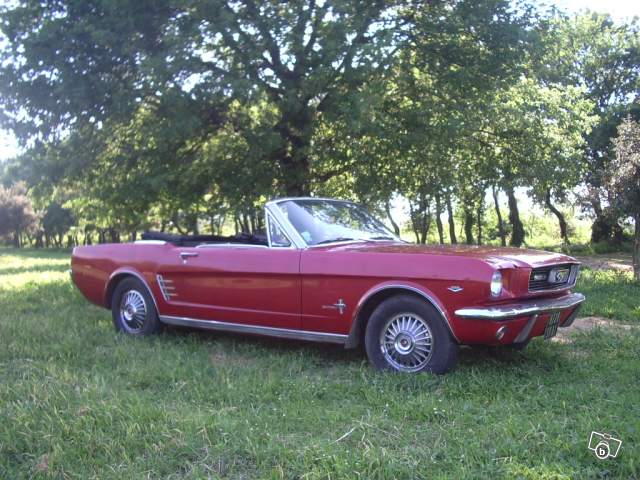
118,275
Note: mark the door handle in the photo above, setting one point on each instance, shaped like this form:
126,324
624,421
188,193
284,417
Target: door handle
185,255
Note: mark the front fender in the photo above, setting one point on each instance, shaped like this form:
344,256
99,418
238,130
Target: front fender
375,295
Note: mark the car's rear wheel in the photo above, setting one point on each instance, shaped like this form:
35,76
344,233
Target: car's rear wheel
133,310
406,334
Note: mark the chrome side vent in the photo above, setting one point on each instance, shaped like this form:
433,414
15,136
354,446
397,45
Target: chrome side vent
166,287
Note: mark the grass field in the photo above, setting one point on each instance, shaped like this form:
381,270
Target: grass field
78,400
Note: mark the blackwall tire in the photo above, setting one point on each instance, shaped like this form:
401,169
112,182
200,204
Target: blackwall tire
133,310
407,334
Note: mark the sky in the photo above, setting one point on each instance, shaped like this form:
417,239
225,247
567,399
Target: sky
618,9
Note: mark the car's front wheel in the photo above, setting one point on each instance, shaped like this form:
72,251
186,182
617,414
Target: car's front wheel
133,310
406,334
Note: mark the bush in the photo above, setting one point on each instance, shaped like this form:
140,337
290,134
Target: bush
16,213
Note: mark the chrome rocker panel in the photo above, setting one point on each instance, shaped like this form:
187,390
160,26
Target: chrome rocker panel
521,309
254,329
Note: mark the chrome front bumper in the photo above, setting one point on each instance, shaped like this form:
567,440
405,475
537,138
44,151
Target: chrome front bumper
530,307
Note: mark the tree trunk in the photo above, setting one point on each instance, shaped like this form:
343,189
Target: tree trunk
16,239
387,208
216,222
114,235
295,130
420,218
452,223
191,220
438,219
604,228
414,227
618,233
244,223
517,229
479,216
501,233
426,224
636,249
561,220
468,226
295,183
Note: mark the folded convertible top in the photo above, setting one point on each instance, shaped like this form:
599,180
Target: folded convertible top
193,240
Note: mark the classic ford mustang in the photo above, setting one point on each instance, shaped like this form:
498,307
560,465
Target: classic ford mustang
327,271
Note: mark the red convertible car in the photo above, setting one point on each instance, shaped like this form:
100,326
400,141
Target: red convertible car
328,271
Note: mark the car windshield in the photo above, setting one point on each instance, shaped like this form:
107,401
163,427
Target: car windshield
325,221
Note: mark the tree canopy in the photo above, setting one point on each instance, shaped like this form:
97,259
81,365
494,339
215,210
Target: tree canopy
187,115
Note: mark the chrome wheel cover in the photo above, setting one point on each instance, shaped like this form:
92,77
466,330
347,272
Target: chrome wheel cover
406,342
133,311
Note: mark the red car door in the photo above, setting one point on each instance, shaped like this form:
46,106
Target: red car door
234,283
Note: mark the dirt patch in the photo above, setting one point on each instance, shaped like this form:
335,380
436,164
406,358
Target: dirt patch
619,261
586,324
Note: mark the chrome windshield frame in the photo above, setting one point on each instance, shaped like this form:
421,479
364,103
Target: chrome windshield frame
272,208
269,217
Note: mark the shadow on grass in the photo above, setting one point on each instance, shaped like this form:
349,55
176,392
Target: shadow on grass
33,269
335,355
44,253
327,351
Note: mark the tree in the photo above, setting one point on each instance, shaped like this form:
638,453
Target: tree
602,56
16,213
56,222
533,135
623,178
457,56
120,60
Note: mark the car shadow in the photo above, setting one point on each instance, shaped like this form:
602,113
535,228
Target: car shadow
34,269
321,351
476,357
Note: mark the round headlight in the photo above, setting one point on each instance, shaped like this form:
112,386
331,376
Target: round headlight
496,283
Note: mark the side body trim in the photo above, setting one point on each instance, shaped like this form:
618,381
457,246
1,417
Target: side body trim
355,328
254,329
230,245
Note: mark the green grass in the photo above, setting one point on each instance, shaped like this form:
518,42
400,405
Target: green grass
610,294
80,401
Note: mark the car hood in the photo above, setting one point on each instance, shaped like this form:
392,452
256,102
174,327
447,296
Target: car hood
501,257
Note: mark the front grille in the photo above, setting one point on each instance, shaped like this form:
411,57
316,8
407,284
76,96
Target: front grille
553,277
